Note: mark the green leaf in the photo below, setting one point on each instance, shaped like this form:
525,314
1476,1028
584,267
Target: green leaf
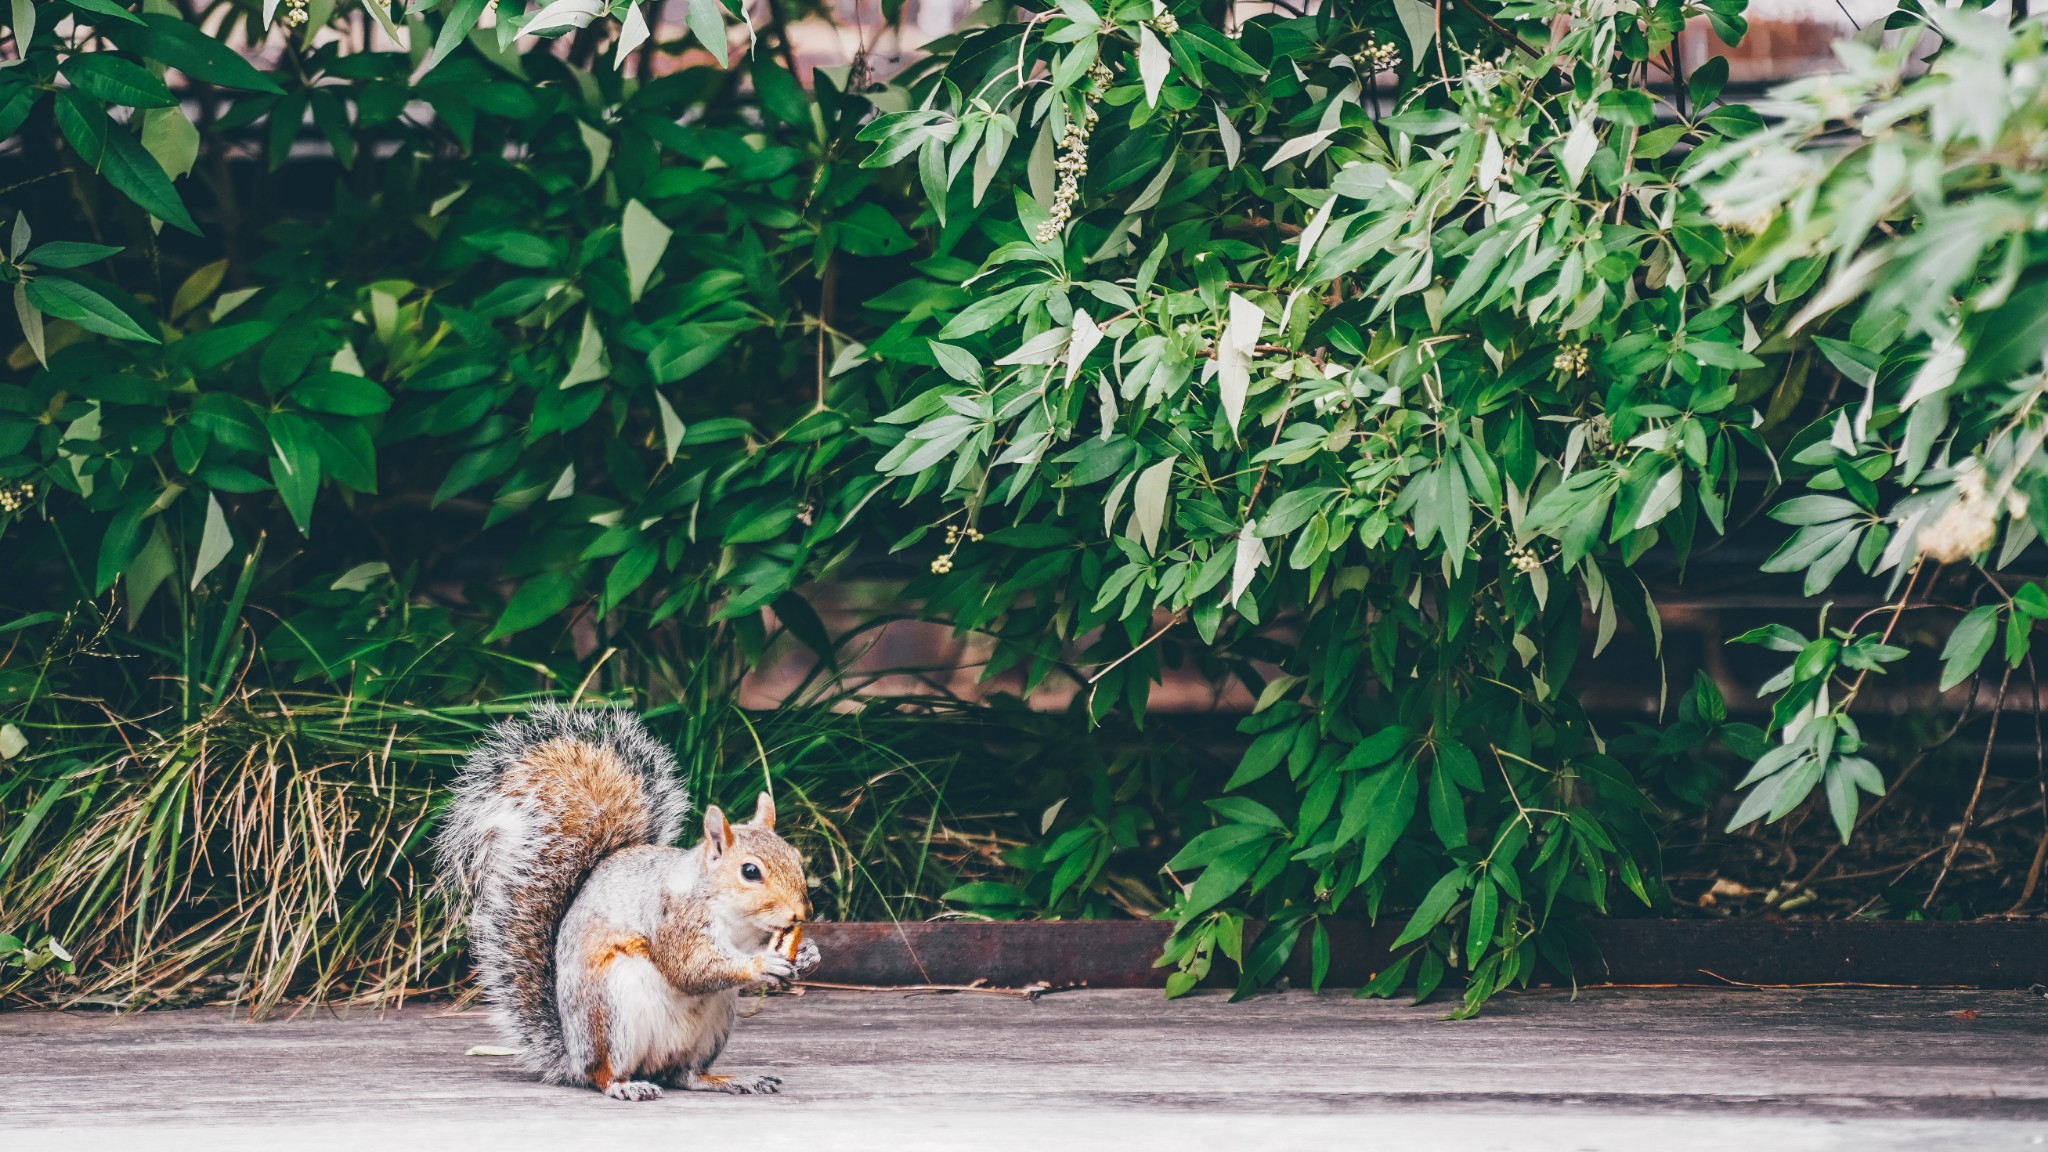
66,299
1376,749
1426,122
1221,879
173,42
2032,600
538,599
16,102
1446,809
1262,757
147,572
1419,21
1205,847
1840,786
869,230
84,124
671,427
1483,913
1721,355
128,167
1244,810
103,7
341,394
1461,763
645,239
122,540
295,465
1706,82
215,542
68,254
1967,645
780,94
1776,637
1293,509
707,22
24,14
172,139
2011,341
117,81
1434,906
628,573
462,16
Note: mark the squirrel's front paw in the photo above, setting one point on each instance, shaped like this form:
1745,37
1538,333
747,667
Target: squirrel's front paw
806,959
632,1090
774,969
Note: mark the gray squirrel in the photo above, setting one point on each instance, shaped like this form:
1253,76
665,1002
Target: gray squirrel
612,959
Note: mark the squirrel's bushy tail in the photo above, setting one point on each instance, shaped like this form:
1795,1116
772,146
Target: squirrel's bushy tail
542,801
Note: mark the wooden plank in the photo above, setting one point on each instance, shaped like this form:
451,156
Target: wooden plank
1618,1070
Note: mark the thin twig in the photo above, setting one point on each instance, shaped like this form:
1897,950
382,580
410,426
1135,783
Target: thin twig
2041,781
1111,666
1970,811
1826,983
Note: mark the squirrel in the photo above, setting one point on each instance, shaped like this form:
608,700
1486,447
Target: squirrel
611,958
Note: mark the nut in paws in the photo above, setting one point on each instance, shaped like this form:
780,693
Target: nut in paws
806,959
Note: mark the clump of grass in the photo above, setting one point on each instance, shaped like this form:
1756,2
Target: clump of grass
273,847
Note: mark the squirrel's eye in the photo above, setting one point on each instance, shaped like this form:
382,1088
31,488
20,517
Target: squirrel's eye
750,872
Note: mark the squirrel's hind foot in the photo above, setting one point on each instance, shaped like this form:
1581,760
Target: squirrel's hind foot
633,1090
735,1085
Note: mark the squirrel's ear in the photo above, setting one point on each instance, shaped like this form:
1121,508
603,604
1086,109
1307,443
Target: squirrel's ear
717,833
764,811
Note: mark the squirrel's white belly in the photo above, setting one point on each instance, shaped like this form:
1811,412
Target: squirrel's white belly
653,1027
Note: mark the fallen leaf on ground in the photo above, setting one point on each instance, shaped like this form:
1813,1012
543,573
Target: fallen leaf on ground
491,1050
1965,1014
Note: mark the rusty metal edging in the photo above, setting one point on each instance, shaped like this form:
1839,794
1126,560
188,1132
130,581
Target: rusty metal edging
1120,953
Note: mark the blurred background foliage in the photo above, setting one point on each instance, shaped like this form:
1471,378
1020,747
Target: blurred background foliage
378,366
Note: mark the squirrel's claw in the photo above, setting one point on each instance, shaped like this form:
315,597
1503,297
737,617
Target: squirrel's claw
776,970
632,1090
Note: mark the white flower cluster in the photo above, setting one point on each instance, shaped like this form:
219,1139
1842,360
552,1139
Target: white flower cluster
295,13
1750,223
1965,528
955,536
1377,56
1071,167
1524,559
1570,360
15,497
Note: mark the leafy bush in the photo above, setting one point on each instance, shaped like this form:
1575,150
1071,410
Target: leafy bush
1364,342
